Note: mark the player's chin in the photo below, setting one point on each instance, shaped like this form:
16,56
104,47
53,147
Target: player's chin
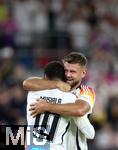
70,82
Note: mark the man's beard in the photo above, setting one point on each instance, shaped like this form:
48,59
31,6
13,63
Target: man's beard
73,84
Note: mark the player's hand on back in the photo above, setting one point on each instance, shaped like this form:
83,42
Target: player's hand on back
65,87
38,107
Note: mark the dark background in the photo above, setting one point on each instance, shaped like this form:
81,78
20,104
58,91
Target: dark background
34,32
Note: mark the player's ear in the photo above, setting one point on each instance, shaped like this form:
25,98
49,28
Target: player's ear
84,72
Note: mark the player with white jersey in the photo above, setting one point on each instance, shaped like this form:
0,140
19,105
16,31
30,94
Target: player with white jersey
56,125
47,126
84,93
75,70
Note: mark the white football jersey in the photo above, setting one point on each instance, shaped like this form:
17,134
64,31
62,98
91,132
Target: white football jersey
85,129
52,127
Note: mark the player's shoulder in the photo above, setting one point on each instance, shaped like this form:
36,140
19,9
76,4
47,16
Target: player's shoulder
86,89
66,94
62,92
87,93
39,92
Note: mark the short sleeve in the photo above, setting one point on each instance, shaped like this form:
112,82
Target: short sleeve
87,94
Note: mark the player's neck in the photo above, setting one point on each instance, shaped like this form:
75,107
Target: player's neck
76,86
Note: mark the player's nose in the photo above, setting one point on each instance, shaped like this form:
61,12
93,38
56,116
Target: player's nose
68,74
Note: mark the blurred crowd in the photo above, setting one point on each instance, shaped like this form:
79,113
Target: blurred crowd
34,32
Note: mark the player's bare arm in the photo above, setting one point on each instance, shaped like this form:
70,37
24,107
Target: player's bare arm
79,108
37,84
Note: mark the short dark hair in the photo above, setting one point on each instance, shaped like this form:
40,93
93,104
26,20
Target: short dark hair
55,70
76,57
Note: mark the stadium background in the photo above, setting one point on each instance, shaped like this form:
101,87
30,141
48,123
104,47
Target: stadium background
34,32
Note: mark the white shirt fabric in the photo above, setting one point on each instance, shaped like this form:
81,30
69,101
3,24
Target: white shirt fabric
85,129
52,96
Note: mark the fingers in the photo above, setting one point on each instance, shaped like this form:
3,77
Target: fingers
37,107
32,108
33,104
37,101
33,114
